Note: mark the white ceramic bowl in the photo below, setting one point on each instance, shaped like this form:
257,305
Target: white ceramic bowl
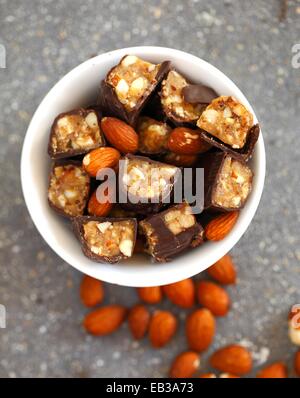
78,88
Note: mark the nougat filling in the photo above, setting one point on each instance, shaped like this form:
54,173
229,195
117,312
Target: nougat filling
132,79
153,135
179,219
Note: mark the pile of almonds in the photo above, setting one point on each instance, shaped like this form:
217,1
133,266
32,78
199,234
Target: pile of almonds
231,361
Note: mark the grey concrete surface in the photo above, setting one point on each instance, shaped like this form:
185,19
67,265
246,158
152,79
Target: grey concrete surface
246,40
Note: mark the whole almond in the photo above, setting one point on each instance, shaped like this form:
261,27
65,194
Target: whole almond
185,365
163,326
99,159
233,359
180,160
138,321
105,320
181,293
120,135
95,208
185,141
220,226
91,291
200,329
223,271
207,376
297,363
228,376
277,370
213,297
150,295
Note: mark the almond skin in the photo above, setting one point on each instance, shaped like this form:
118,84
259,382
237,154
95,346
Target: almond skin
277,370
98,209
223,271
185,141
228,376
233,359
163,326
120,135
138,321
100,158
105,320
207,376
213,297
297,363
150,295
185,365
200,329
91,291
181,293
220,226
180,160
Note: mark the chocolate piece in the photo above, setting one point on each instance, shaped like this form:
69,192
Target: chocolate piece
75,133
243,154
171,232
69,187
227,120
153,136
128,87
145,185
227,181
175,107
106,240
198,94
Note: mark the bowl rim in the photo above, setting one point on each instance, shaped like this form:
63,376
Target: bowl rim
140,279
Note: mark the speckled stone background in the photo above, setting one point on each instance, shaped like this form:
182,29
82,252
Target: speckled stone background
44,40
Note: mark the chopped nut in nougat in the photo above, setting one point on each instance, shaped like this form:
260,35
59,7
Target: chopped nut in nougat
227,120
128,86
173,103
106,239
153,136
171,232
145,185
74,133
68,188
228,182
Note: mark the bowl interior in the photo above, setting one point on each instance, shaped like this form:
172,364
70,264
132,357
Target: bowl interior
79,88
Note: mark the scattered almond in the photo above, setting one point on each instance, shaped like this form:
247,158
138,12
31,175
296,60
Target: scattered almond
163,326
213,297
228,376
223,271
185,141
233,359
105,320
277,370
185,365
207,376
150,295
200,329
297,363
220,226
95,208
99,159
181,293
120,135
138,321
91,291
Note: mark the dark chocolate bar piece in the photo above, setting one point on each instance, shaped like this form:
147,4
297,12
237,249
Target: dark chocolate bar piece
227,120
173,103
243,154
145,185
227,181
69,187
171,232
198,94
75,133
153,136
128,86
106,240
